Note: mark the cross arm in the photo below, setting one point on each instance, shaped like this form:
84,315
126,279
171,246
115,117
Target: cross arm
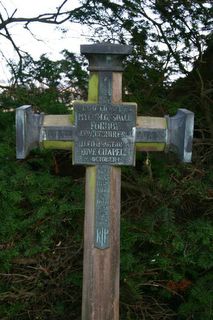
167,134
34,130
57,132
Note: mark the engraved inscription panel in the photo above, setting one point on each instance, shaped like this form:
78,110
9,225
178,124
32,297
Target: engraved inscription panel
102,232
105,134
151,135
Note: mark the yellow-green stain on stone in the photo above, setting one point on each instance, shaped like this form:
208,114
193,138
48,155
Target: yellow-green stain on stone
64,145
150,146
93,88
92,93
93,98
72,117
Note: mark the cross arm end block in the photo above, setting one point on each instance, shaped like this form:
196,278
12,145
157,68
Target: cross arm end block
180,134
27,130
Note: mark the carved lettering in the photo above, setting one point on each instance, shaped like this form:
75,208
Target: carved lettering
121,117
102,237
104,134
103,126
102,206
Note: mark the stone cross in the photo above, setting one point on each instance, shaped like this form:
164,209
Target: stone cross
104,134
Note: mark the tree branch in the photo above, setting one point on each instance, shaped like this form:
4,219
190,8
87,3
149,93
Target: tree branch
48,17
57,17
159,27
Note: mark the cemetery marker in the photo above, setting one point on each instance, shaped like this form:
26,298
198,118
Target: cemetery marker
104,136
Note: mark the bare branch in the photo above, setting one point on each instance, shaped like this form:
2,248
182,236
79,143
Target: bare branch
57,17
33,34
5,9
164,37
61,6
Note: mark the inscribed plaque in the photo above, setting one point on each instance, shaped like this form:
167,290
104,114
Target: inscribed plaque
105,134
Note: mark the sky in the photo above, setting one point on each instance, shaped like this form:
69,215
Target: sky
51,40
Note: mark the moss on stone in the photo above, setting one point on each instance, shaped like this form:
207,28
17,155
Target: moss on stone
93,88
150,146
64,145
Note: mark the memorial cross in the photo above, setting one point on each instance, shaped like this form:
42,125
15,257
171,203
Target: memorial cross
103,134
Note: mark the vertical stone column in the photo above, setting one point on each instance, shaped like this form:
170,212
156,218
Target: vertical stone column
102,266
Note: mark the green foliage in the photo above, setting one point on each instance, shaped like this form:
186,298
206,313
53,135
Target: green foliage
199,303
166,224
166,237
162,30
169,39
50,86
41,216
